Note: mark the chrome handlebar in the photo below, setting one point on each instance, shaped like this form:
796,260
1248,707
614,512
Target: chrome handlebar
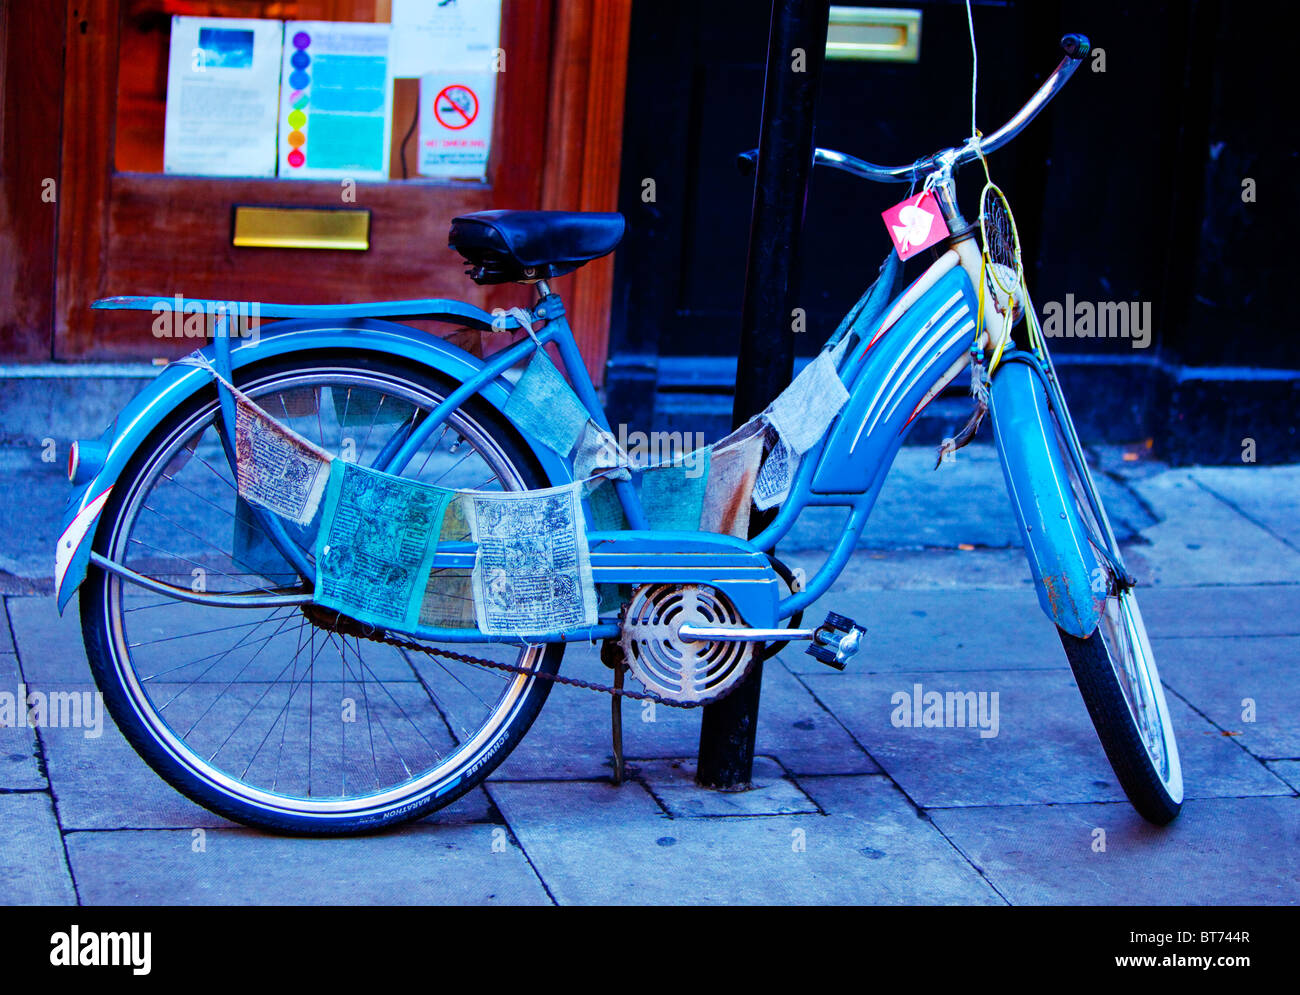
1076,49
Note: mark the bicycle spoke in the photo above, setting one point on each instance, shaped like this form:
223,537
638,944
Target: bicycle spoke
233,692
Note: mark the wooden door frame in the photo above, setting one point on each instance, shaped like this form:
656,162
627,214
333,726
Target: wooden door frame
584,145
31,99
570,163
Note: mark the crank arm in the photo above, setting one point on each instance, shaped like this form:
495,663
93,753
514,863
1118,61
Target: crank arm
736,634
833,642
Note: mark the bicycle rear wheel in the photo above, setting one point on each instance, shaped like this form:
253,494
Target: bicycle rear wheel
279,717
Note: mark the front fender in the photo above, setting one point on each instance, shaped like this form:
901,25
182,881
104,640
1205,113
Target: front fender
1061,558
178,382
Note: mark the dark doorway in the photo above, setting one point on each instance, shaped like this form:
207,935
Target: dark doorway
1128,188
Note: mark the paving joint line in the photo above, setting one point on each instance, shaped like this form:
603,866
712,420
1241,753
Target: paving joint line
1235,739
505,821
1244,514
43,762
920,811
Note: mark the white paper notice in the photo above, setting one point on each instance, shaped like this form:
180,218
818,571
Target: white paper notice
433,35
336,100
223,87
456,123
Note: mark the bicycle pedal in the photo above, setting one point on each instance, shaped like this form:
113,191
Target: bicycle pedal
836,640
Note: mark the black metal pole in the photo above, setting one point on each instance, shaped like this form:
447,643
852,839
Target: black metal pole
796,50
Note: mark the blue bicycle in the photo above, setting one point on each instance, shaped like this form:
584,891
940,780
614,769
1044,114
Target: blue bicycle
221,664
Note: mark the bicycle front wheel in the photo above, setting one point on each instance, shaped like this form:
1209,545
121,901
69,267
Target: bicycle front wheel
281,717
1116,673
1116,670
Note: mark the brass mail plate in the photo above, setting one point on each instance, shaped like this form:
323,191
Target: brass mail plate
881,34
301,228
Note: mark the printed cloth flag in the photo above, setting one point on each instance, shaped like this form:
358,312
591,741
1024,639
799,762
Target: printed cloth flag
275,467
607,513
598,450
733,468
376,543
672,494
777,475
805,409
532,573
544,405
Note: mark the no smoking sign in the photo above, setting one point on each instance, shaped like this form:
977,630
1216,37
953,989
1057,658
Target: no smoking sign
456,123
455,107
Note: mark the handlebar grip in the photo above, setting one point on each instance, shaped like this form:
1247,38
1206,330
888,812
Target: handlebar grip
1076,46
747,162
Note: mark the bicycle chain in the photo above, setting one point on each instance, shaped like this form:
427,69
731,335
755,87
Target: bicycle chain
513,668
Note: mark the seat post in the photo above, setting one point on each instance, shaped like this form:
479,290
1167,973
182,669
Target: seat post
543,290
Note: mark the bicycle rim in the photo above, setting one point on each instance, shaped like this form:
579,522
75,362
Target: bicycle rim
1123,633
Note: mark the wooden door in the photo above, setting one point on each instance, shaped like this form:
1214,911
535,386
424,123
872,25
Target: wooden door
126,228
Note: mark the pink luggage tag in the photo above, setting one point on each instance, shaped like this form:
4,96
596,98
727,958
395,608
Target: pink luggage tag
915,224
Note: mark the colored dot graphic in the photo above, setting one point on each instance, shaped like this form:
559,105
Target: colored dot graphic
299,80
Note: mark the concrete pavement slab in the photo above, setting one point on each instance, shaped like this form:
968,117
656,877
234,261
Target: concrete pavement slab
1270,499
944,630
1249,687
49,646
6,639
1046,750
571,737
33,869
101,783
672,783
901,569
1288,770
1225,851
597,844
1201,539
423,864
1248,610
20,767
921,508
798,730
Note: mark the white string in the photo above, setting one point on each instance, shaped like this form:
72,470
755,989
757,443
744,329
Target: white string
974,67
525,322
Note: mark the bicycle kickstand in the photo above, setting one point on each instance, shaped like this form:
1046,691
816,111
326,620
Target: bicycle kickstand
611,655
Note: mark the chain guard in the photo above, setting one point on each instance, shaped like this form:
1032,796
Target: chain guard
694,673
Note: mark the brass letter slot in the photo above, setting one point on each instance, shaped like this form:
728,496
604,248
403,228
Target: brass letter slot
301,228
882,34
